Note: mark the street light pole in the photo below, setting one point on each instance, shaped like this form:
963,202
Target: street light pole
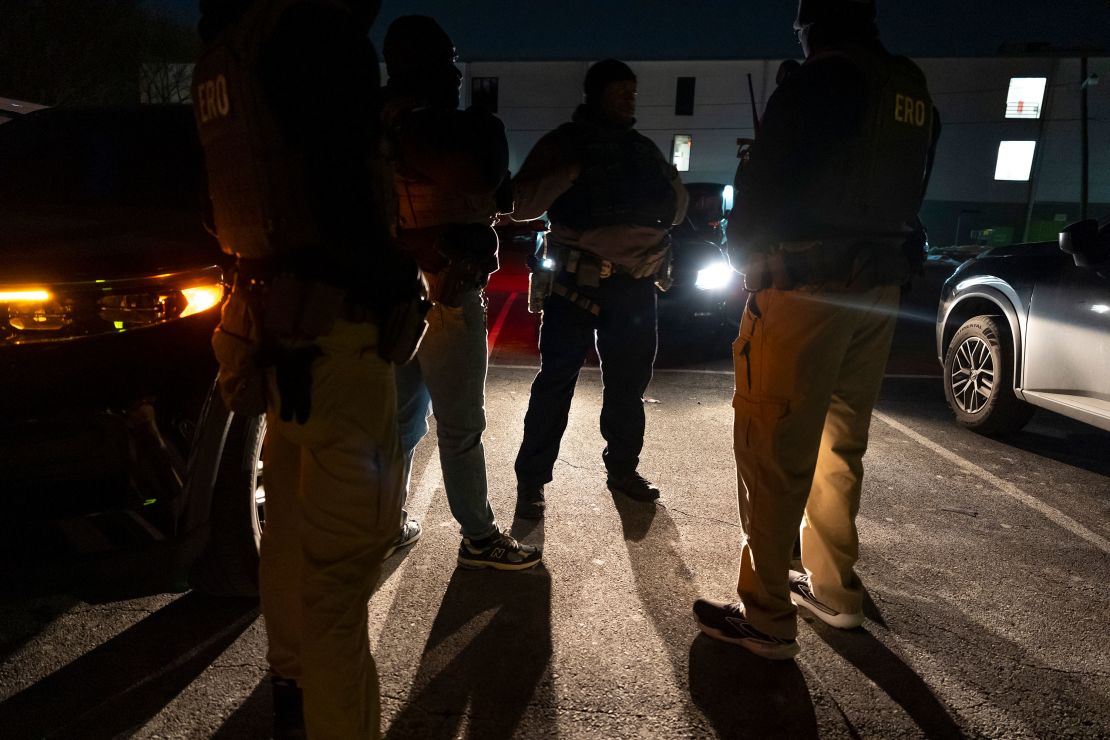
1084,147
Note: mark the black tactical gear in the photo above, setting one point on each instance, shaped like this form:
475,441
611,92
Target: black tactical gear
843,160
258,205
624,179
873,184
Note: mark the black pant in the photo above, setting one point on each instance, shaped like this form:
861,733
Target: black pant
626,343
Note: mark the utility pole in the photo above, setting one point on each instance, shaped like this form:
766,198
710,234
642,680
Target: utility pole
1084,145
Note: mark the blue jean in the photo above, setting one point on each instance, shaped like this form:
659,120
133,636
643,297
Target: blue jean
624,335
448,378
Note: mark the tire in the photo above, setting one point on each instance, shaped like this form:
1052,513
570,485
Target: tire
229,564
978,378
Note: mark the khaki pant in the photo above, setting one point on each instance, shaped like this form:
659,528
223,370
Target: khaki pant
809,364
333,499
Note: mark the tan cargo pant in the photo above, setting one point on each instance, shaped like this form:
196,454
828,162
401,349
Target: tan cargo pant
809,364
334,491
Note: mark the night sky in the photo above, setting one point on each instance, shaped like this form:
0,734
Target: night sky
722,29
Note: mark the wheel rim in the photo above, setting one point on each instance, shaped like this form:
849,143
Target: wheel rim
972,380
258,484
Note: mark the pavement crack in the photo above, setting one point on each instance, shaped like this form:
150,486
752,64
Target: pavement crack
564,461
1065,671
734,525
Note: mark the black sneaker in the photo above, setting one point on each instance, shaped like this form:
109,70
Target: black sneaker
633,485
529,502
801,593
500,551
288,709
726,622
410,533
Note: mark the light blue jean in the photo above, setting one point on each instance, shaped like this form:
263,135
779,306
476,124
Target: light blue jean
448,378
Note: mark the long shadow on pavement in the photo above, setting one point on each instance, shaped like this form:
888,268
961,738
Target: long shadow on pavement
127,680
488,652
252,718
740,695
891,674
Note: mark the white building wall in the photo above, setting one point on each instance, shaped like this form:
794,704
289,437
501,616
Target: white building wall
535,97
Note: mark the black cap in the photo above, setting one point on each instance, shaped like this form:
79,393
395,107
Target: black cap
605,72
835,12
416,42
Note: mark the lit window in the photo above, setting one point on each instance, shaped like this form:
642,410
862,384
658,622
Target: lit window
1025,97
1015,160
681,148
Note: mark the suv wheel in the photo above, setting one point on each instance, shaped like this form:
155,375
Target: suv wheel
229,564
978,378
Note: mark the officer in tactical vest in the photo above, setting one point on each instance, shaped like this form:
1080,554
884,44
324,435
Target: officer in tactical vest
449,165
321,307
611,198
825,231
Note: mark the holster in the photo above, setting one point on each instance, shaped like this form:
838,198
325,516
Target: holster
459,258
403,329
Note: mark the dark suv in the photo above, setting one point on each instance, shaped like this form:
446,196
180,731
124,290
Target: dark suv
705,292
1029,325
111,437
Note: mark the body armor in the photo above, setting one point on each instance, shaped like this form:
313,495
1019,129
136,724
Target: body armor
624,180
874,184
255,178
422,203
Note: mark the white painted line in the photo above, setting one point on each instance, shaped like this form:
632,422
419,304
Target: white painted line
692,371
431,478
500,321
1005,487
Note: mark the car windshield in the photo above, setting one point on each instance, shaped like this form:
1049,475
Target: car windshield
137,157
705,210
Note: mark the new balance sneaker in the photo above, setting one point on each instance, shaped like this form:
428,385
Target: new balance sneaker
410,533
801,593
726,622
633,485
529,502
499,551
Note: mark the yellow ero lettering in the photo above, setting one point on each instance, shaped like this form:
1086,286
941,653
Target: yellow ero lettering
908,110
212,99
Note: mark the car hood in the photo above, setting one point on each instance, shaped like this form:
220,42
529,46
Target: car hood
52,245
1033,249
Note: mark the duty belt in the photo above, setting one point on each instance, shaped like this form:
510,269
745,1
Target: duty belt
849,265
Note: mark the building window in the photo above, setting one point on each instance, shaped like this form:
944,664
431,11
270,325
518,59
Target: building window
483,93
684,96
1025,97
680,146
1015,160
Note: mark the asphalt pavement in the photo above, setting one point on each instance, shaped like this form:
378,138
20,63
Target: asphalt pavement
985,562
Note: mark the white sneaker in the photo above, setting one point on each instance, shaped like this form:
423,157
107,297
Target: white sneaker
801,593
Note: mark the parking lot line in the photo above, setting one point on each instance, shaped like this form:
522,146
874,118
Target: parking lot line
1005,487
499,322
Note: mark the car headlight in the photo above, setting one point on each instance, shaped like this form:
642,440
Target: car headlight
80,309
714,277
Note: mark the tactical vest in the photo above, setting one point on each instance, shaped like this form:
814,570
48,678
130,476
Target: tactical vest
874,183
624,180
256,178
422,203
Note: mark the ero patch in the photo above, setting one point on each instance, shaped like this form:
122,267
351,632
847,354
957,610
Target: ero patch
909,110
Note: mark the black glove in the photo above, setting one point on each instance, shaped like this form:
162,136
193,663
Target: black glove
294,381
